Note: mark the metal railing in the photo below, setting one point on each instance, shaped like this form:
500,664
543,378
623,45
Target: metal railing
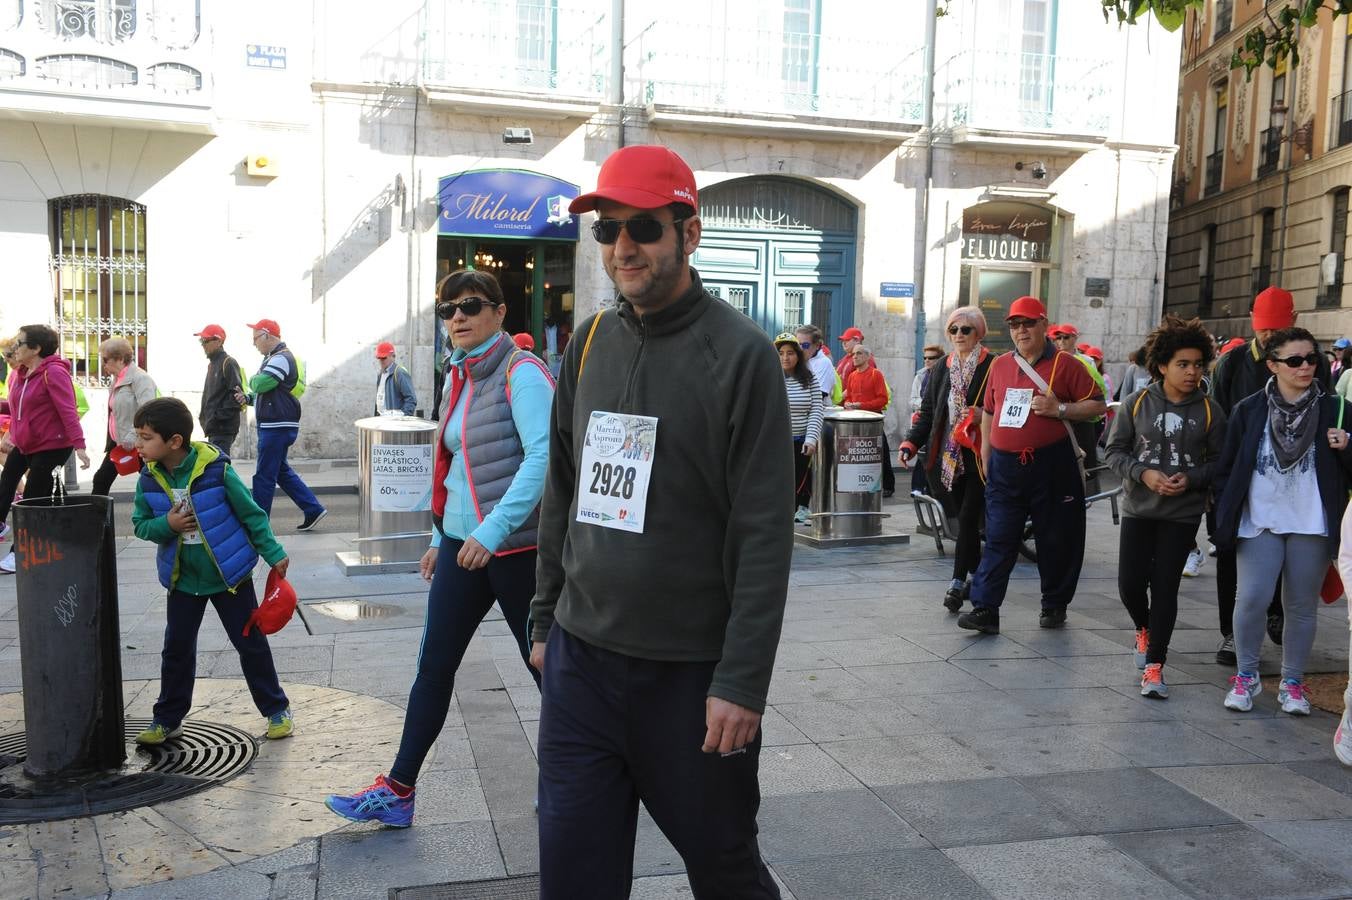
1341,120
1269,151
531,46
1015,91
1215,165
696,66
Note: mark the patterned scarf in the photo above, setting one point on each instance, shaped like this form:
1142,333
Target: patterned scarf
1292,425
960,372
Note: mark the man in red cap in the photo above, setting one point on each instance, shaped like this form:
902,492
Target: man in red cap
220,410
851,338
1033,394
394,384
663,572
274,393
1240,372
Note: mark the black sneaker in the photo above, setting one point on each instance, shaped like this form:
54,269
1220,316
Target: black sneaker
311,521
1225,653
953,599
982,618
1052,617
1275,623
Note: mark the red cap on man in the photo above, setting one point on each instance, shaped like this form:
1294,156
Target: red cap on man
268,325
211,331
645,176
1027,308
1067,329
1273,308
384,349
852,334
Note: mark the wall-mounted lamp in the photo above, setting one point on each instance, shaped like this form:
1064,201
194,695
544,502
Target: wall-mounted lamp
517,136
1301,137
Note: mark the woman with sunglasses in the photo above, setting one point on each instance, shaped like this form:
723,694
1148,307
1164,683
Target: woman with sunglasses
489,473
805,414
949,416
1281,489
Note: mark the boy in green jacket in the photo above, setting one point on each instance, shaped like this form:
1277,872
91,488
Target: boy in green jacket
210,533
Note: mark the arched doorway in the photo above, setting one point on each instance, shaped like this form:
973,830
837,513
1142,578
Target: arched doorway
780,250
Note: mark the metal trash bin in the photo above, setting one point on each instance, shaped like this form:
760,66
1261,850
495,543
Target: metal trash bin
847,498
394,490
71,662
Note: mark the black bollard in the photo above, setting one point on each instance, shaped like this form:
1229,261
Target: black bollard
68,635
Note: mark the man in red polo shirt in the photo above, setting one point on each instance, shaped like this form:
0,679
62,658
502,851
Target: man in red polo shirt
1031,468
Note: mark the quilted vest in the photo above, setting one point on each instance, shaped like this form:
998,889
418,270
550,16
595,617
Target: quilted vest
489,443
223,534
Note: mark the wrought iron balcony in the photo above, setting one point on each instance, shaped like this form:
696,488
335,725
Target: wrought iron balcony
1039,92
531,47
680,64
1342,119
1215,166
107,61
1269,151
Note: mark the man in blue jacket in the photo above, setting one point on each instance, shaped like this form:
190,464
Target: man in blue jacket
394,385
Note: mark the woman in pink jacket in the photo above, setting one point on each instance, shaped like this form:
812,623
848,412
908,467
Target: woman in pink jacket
43,424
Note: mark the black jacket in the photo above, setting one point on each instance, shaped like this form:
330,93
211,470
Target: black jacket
220,411
1240,456
1243,371
932,425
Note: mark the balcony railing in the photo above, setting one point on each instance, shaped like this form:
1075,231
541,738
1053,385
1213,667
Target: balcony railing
1342,120
1013,91
528,47
698,67
1269,151
1260,279
1215,165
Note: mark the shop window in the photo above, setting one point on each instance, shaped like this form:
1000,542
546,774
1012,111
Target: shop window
98,264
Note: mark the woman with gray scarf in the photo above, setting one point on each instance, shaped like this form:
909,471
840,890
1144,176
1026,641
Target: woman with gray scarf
1281,488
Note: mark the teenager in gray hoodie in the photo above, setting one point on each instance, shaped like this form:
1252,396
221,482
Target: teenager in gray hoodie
1164,444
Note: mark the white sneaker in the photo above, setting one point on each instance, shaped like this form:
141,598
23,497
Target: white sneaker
7,564
1291,695
1342,738
1243,688
1194,564
802,516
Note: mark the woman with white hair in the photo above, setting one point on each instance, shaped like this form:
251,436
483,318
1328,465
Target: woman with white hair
131,389
949,430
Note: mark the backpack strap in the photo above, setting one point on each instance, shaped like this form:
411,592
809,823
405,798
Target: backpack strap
586,348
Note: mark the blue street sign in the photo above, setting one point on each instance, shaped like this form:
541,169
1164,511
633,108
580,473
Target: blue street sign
265,56
896,289
506,203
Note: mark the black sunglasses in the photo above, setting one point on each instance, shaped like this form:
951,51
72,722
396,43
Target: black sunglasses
1015,324
641,229
470,306
1295,362
960,329
933,358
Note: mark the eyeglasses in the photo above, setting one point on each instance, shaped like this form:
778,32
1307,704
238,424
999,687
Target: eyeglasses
382,358
933,358
205,341
470,306
960,329
1295,362
641,229
806,345
1016,324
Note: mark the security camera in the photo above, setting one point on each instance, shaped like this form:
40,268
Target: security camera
1039,170
517,136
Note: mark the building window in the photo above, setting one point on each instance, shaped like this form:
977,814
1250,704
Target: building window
105,21
98,265
1206,270
1261,275
1331,265
86,71
1270,141
798,61
1342,104
536,27
1215,162
1224,15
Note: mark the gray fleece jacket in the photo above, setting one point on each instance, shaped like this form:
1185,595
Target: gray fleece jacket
1149,432
708,577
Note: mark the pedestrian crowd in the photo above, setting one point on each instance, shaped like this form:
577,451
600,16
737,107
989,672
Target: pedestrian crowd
562,489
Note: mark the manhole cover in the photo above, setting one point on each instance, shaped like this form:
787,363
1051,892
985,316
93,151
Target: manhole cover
355,610
515,887
205,754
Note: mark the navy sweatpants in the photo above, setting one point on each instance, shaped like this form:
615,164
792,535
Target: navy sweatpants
614,730
1044,485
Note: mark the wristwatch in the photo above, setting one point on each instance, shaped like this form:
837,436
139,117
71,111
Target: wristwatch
1060,410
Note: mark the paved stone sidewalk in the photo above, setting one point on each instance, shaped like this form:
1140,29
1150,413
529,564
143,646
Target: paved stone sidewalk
903,757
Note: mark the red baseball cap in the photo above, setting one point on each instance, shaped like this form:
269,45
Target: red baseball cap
1232,344
645,176
1094,353
852,334
384,349
524,340
1067,328
268,325
211,331
1027,308
1273,308
1083,348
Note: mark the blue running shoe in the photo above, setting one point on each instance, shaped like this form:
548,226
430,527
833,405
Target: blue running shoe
377,803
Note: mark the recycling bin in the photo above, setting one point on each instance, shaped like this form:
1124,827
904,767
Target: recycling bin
394,488
847,498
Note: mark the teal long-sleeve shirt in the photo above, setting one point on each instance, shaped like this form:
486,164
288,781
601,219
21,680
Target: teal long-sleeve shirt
197,573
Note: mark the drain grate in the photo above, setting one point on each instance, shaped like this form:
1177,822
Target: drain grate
205,754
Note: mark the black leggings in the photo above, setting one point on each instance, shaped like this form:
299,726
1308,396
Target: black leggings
1150,561
106,473
802,473
969,496
456,603
39,467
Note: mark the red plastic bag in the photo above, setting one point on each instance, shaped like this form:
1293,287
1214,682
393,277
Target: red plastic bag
967,432
1331,591
279,604
125,461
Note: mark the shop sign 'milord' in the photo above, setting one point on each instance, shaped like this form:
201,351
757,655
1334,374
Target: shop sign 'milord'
1002,231
506,203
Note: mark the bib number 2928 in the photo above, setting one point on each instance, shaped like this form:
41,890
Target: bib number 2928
613,480
618,454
